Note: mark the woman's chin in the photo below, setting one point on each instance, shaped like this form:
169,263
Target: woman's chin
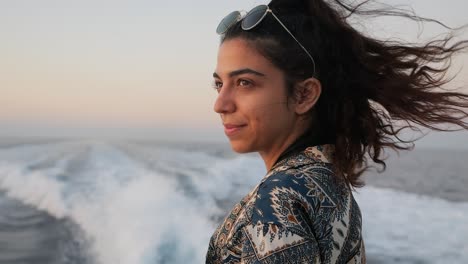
240,147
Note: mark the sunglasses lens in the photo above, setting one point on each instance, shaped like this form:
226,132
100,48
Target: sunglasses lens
227,22
254,17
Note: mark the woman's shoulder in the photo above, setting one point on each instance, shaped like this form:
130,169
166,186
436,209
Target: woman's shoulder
298,191
306,179
305,200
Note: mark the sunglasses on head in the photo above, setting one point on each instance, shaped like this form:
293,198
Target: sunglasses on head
251,20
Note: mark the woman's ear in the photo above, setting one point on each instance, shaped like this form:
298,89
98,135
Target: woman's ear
307,93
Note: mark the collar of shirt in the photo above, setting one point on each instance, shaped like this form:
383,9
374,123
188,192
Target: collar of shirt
313,154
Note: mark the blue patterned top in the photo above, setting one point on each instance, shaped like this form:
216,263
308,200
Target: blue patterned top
299,213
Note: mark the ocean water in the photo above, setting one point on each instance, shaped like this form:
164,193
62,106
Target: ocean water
108,202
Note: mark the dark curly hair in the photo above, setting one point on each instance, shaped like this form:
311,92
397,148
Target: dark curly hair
371,89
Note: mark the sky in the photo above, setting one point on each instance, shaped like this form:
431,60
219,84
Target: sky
135,69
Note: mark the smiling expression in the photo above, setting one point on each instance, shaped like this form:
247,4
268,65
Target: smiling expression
252,100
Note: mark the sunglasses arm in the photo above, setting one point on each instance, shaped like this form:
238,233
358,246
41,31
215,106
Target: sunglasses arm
281,23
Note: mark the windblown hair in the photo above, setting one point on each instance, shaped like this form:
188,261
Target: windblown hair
371,89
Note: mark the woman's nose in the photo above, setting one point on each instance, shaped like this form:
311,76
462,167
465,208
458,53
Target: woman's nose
225,102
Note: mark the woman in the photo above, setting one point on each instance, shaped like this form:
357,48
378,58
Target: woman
314,97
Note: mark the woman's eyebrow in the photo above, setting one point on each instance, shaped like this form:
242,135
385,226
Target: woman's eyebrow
241,71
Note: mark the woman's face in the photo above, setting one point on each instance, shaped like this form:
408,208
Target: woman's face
252,99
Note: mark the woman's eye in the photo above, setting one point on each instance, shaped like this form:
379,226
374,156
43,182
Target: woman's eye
217,85
243,82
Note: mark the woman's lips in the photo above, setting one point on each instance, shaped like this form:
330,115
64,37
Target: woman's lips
230,129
